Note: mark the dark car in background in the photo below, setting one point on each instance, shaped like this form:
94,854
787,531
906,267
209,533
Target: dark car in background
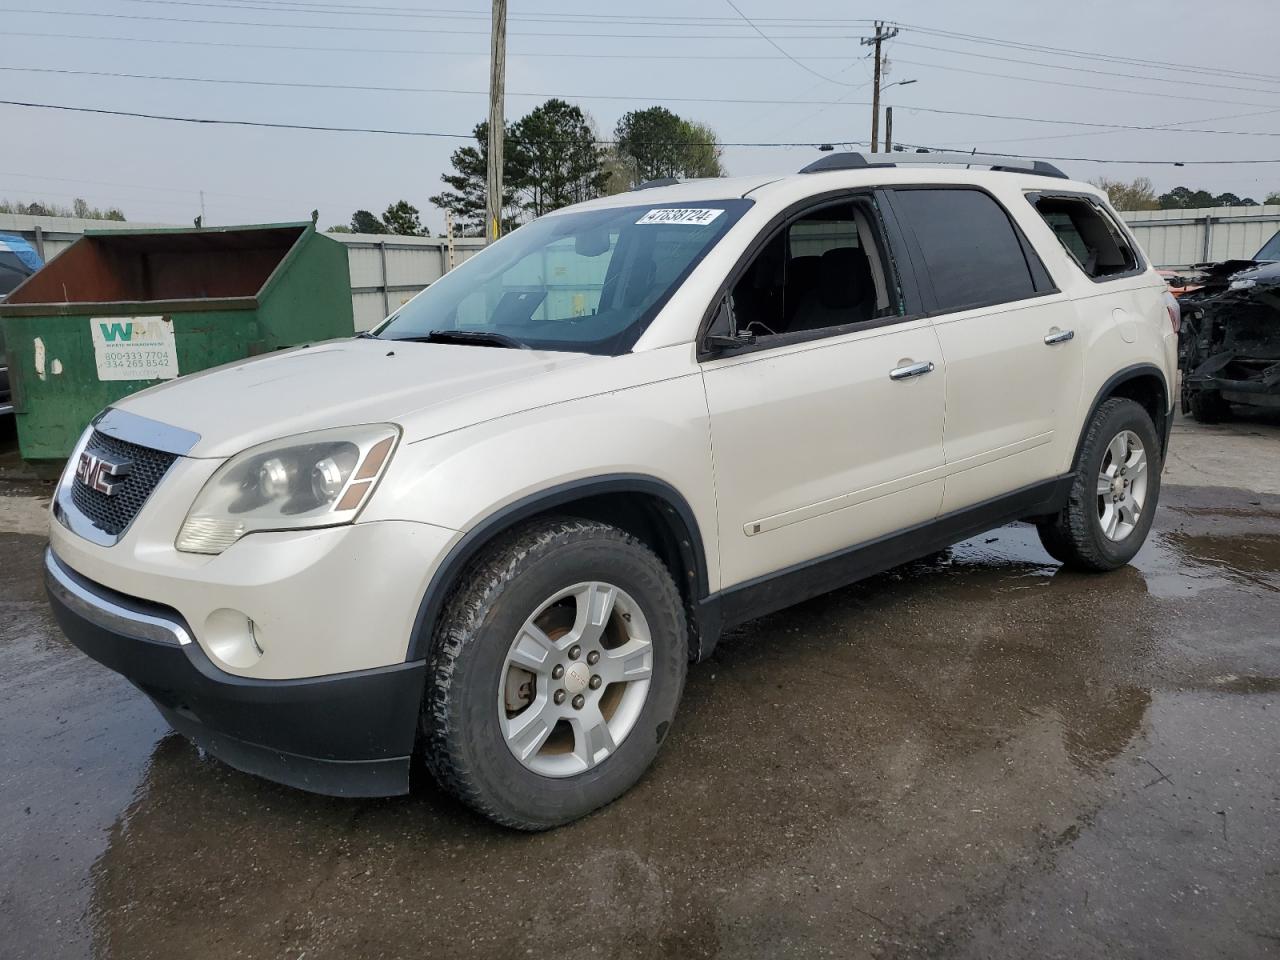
1229,347
17,262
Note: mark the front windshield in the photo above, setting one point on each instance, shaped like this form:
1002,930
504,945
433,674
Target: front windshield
587,282
1271,249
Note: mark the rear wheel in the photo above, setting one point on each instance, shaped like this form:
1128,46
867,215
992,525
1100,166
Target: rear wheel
555,673
1114,491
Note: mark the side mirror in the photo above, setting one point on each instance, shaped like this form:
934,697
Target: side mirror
717,341
720,338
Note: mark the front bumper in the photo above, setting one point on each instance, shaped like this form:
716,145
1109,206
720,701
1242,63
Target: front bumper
1240,379
348,734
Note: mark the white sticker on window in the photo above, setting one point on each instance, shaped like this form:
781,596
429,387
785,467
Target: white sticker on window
687,215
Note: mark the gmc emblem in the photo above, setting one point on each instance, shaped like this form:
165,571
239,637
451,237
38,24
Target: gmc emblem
100,474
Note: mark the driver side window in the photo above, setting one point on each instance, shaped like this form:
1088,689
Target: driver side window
824,270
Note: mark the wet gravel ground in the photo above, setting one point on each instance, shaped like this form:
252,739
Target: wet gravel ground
978,755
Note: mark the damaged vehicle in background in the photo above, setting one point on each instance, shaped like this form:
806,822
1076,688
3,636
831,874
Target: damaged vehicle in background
18,260
1229,348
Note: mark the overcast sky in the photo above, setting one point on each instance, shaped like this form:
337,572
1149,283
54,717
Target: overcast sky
154,170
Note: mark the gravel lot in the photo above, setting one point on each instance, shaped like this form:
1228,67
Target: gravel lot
973,756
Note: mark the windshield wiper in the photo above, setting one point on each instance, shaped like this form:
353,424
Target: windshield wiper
483,338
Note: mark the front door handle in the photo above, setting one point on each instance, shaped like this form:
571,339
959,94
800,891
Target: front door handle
910,370
1058,336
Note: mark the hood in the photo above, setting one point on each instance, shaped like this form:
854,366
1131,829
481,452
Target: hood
1266,271
343,382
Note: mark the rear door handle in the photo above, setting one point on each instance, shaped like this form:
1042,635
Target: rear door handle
1058,336
911,370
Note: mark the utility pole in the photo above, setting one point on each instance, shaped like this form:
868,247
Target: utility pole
497,128
888,129
448,235
883,33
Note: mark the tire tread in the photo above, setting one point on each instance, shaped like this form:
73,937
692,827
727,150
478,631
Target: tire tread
479,588
1069,536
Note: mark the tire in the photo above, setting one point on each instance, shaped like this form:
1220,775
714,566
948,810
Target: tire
474,671
1207,406
1075,536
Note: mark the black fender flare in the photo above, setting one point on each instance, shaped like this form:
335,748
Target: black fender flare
1118,378
677,514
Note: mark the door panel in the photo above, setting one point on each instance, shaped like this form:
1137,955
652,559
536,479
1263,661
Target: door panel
1011,397
817,449
1014,364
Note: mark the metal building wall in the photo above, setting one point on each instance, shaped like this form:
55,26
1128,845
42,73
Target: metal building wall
1179,238
387,271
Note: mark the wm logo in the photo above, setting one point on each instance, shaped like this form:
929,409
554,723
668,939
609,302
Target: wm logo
112,332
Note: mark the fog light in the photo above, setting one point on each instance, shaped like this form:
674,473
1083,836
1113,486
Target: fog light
233,638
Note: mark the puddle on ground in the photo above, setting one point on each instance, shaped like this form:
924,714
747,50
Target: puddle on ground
915,765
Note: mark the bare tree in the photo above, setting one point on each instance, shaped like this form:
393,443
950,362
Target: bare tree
1137,194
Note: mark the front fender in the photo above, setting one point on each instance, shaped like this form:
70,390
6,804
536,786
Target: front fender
657,430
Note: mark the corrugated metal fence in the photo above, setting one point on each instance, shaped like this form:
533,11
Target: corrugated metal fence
386,271
1178,238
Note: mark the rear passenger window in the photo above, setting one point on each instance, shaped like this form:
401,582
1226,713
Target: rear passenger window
973,257
1089,234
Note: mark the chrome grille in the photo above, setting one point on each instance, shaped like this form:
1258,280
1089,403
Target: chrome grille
112,513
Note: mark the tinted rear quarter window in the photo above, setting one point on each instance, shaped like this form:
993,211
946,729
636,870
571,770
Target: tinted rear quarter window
973,257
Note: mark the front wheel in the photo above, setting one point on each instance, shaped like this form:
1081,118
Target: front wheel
555,673
1114,491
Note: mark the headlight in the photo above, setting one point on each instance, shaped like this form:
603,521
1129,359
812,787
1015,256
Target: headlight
319,479
1244,284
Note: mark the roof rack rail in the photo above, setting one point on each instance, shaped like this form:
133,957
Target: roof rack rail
859,161
660,182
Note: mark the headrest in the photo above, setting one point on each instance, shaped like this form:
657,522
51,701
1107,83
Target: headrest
802,272
844,277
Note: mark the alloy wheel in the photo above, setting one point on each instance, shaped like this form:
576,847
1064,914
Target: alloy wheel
575,679
1122,485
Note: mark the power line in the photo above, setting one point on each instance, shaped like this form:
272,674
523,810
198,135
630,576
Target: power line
1083,86
924,157
1101,133
748,101
376,88
1085,54
1180,81
416,51
337,9
336,129
468,136
769,40
797,23
347,28
453,13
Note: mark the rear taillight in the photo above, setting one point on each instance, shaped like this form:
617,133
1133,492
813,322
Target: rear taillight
1174,309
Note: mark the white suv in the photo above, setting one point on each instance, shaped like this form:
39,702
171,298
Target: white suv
495,531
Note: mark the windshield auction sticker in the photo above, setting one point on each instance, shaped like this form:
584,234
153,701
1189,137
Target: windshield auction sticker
686,215
134,348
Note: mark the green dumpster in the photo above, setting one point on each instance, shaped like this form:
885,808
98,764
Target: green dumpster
121,310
